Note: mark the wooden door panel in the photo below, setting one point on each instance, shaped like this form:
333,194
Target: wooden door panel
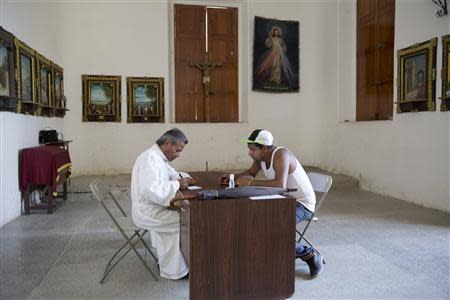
375,59
189,19
189,48
191,108
222,108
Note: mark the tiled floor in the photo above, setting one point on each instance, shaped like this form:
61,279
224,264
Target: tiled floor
375,246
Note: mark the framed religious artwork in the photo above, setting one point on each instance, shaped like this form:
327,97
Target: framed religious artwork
276,55
416,80
8,100
445,73
101,98
44,86
25,78
59,100
145,100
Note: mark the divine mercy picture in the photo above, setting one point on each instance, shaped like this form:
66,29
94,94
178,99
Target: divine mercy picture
276,55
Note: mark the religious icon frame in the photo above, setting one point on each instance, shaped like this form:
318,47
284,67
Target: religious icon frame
44,81
8,96
416,77
276,63
145,99
28,104
59,100
101,98
445,73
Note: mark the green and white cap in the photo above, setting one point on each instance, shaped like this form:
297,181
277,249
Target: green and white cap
260,136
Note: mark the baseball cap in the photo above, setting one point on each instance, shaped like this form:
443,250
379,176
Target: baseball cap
260,136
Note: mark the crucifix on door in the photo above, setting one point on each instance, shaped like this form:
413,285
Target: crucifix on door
206,66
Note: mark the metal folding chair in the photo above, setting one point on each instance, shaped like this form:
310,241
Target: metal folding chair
124,224
321,184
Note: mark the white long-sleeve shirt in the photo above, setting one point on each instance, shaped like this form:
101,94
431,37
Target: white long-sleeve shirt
153,184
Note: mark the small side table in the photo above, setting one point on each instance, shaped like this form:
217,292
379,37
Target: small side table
46,166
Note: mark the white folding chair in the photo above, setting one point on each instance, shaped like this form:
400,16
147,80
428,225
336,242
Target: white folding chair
124,224
321,184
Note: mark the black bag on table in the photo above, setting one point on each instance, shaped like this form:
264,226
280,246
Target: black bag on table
48,136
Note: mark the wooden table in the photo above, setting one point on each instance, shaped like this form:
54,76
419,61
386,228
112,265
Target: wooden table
43,167
238,248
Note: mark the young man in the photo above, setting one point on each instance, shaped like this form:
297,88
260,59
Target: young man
282,169
153,184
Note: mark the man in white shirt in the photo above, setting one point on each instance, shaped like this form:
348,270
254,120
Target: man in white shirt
153,184
282,169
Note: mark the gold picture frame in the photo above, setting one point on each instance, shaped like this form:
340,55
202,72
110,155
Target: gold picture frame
445,73
145,99
59,100
25,78
101,98
44,86
8,99
416,81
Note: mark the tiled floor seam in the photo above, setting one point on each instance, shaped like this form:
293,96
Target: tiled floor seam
62,253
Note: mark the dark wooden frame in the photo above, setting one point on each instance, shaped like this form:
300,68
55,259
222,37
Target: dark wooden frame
9,102
115,82
445,96
427,48
45,110
26,106
58,102
158,84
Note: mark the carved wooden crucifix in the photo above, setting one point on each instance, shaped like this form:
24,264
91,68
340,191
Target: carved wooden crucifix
205,67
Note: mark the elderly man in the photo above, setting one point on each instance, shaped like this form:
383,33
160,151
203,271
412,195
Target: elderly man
282,169
153,184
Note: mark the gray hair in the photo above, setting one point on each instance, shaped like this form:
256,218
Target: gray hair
173,135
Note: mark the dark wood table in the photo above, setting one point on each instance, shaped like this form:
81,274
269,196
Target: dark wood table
238,248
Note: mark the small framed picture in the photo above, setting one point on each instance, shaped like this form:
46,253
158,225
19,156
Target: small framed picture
417,77
145,99
445,74
25,75
44,85
58,86
8,101
101,98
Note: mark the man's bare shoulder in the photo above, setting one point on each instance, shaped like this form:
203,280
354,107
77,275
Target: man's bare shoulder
283,153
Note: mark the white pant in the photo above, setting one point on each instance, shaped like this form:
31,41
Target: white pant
171,261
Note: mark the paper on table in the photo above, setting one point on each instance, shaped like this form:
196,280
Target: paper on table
194,187
267,197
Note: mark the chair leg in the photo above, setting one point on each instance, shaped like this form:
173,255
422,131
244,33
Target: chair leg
146,245
131,245
142,260
109,265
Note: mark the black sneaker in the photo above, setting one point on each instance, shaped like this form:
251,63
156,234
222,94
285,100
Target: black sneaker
315,263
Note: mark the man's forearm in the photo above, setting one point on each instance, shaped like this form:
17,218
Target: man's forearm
270,183
245,173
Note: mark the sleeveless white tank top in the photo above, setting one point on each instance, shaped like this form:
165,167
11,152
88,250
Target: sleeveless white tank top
297,179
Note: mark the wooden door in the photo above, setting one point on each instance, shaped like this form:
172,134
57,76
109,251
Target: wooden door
198,41
375,59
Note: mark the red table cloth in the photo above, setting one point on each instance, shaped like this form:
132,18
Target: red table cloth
41,165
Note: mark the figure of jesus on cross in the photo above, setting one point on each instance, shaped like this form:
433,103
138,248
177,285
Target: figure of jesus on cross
206,68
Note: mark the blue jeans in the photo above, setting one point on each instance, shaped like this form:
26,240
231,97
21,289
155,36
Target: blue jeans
302,214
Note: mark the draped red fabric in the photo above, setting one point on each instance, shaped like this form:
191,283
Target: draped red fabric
39,165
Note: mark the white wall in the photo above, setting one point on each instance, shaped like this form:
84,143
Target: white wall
36,24
137,45
407,157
